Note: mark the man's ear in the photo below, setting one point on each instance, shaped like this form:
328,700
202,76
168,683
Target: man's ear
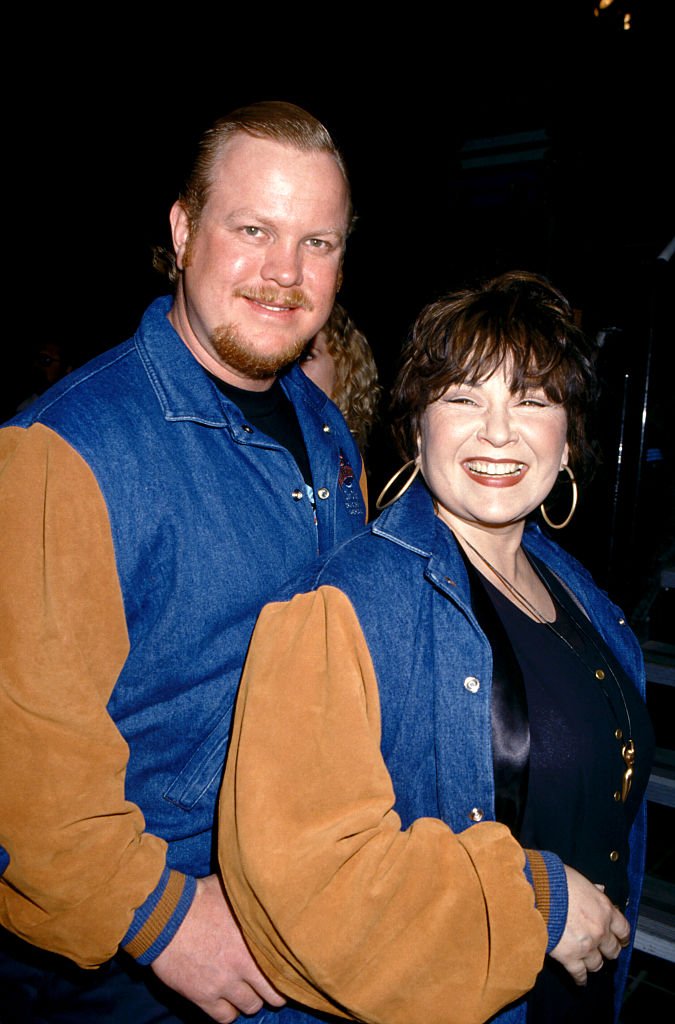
180,232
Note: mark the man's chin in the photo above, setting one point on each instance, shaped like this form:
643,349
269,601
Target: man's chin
236,352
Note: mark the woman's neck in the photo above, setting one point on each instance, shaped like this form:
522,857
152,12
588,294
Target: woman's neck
499,545
497,553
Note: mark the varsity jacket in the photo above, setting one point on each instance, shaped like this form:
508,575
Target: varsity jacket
144,525
357,836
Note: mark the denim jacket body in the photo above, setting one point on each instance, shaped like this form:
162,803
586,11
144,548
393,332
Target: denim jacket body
408,585
209,517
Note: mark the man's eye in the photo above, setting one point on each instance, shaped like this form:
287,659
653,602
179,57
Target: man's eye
318,243
251,231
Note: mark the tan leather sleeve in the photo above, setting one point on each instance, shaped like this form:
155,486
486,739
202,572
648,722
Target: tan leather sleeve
342,909
80,861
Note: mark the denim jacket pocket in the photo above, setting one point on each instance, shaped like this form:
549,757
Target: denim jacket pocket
204,767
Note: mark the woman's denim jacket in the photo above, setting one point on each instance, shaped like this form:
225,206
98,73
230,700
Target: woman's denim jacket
409,588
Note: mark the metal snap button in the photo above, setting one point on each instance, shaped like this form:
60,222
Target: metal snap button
323,493
326,428
472,684
296,494
614,856
476,814
245,426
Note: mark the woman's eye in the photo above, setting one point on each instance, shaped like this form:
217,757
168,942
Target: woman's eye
537,403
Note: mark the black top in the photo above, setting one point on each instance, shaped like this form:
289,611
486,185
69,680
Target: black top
273,414
569,792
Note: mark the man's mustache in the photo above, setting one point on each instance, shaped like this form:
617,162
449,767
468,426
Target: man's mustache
294,298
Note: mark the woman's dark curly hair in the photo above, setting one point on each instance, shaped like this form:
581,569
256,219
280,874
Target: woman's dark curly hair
517,320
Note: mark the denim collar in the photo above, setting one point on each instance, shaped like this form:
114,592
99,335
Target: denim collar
182,386
412,522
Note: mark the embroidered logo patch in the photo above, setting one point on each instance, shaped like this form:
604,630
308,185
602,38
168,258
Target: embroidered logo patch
349,487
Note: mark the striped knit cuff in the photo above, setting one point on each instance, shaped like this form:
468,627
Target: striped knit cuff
546,874
158,920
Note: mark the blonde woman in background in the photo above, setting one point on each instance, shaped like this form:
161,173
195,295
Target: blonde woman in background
340,361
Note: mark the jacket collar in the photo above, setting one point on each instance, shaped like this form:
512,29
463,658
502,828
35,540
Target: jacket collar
183,388
412,523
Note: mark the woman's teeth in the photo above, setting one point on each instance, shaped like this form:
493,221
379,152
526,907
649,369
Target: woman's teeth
496,468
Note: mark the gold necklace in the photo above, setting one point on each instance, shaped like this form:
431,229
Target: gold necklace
627,748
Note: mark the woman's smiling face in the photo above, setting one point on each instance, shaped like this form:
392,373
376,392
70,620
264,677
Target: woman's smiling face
491,456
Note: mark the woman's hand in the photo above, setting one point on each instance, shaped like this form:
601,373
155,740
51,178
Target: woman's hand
595,929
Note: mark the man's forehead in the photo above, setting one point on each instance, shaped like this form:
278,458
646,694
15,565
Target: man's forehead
244,150
255,166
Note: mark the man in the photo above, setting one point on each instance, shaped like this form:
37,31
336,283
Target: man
151,503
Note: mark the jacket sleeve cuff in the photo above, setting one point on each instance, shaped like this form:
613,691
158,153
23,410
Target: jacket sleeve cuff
156,922
546,874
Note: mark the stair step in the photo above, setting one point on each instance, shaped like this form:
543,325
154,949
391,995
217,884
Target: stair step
655,932
661,785
659,662
668,577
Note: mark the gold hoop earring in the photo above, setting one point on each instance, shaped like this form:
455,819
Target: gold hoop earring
575,497
379,504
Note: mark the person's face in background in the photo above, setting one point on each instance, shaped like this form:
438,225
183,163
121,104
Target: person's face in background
48,366
318,364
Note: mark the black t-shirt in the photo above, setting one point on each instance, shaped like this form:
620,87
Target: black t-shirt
272,414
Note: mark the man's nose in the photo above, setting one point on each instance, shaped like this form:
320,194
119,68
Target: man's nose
283,264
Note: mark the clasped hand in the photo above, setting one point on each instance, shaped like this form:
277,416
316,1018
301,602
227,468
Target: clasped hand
595,929
208,962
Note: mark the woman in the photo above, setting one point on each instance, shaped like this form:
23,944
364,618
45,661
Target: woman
339,360
440,751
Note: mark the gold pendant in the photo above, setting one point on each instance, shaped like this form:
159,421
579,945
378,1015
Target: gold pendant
628,754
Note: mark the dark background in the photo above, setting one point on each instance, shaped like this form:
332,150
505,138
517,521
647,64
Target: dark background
576,183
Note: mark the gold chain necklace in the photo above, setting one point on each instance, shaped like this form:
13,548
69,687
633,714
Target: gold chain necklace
627,748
